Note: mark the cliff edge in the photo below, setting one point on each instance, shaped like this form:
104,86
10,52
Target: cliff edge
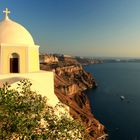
71,80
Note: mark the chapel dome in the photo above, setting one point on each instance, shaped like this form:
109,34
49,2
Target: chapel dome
14,33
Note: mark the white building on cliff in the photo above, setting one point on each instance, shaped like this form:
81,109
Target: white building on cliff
19,59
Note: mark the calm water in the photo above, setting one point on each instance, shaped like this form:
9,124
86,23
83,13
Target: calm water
121,118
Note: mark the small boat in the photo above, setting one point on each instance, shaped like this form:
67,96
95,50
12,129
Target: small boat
122,97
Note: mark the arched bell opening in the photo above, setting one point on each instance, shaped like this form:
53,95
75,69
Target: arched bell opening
14,63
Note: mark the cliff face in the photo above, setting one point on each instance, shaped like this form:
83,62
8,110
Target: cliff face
70,82
72,79
48,59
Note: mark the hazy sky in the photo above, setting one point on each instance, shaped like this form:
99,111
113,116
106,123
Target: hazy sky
80,27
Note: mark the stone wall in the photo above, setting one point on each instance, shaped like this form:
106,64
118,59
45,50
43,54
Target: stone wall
42,83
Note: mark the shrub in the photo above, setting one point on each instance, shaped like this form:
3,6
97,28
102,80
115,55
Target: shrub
25,115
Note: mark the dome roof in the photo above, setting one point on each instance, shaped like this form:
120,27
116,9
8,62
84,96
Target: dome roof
14,33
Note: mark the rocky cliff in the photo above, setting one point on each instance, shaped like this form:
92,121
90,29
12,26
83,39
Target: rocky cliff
70,82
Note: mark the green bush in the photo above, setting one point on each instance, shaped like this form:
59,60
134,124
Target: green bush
25,115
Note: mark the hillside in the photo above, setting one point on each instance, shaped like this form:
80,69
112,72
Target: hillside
70,83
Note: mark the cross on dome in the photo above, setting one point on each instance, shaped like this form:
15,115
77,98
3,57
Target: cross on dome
6,11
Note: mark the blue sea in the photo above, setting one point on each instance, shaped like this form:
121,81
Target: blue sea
120,117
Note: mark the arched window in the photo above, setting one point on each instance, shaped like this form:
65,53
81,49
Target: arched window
14,63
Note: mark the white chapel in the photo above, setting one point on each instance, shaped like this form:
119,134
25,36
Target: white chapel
18,52
19,59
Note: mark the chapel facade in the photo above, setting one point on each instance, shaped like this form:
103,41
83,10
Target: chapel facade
18,52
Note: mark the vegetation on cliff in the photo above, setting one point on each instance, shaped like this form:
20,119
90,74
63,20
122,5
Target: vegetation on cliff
25,115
